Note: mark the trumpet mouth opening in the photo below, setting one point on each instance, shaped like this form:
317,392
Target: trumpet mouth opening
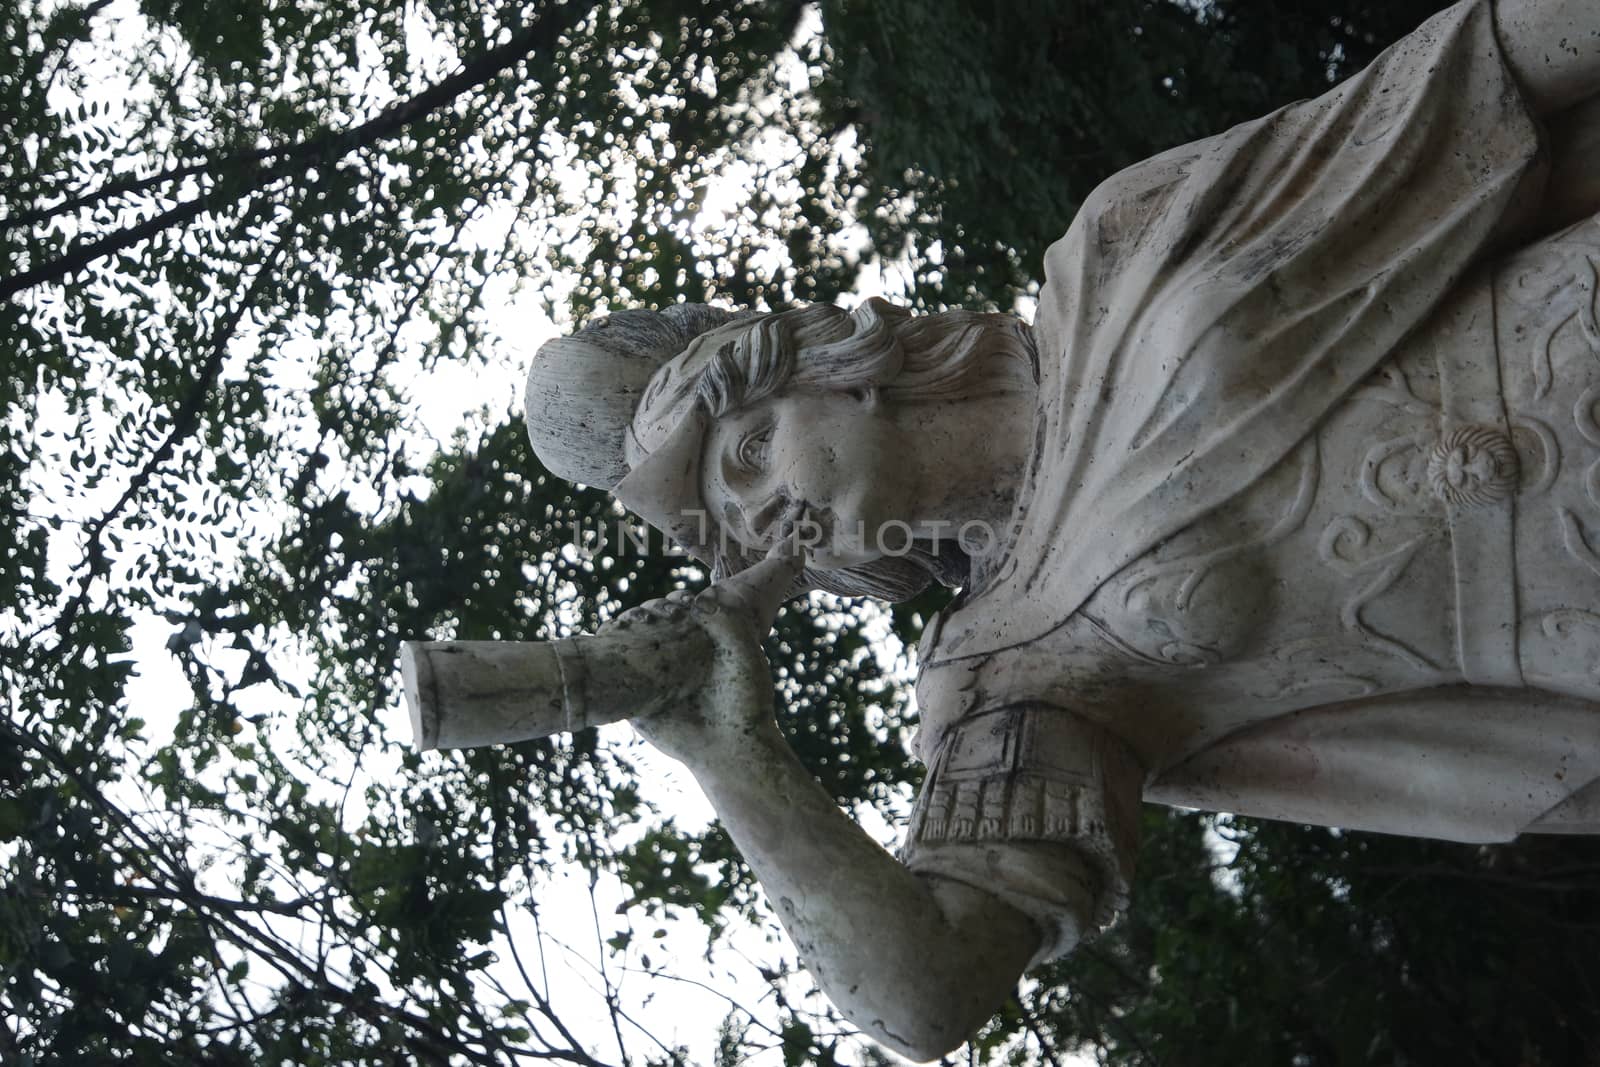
416,676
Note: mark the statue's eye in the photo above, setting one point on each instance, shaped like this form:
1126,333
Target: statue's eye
752,452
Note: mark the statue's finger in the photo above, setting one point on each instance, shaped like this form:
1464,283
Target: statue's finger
759,591
669,610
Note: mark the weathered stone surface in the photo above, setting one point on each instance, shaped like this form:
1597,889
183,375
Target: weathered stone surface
1288,503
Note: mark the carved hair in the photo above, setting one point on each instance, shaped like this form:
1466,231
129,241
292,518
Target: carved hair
907,359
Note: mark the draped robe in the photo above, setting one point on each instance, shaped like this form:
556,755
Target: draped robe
1205,313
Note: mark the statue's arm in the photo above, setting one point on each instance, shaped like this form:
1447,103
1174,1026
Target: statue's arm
916,961
1553,49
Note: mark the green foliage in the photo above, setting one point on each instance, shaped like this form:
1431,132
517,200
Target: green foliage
230,236
234,236
1313,946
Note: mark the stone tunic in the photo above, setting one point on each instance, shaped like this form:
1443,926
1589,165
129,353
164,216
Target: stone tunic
1407,604
1394,626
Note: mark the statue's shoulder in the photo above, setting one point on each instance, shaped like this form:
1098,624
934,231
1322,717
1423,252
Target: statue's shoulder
1152,208
1137,196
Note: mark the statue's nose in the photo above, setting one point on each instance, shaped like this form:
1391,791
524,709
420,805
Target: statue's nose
767,522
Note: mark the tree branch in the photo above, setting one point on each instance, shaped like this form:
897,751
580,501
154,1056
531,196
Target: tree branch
131,184
135,893
327,147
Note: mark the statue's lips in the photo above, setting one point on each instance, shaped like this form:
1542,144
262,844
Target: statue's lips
809,528
781,527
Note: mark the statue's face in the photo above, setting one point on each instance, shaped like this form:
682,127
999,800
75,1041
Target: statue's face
824,468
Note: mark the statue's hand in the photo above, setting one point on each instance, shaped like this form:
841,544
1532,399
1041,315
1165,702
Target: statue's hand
736,699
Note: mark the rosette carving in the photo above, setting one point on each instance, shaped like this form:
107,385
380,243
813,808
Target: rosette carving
1473,465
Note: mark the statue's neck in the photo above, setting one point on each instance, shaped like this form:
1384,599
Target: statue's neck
969,459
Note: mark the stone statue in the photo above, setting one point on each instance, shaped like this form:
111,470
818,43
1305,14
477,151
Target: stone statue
1287,504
